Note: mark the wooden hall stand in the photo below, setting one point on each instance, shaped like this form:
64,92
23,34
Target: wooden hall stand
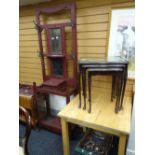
41,93
55,56
102,118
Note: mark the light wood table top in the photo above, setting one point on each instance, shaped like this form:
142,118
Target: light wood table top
102,117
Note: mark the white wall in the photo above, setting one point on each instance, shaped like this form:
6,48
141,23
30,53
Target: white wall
58,102
131,141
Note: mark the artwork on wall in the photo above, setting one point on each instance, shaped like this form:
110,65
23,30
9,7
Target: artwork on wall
122,36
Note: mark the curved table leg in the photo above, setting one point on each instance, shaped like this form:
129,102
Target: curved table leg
84,87
89,90
113,88
79,89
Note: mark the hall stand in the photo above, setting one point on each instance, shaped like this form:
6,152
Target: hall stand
58,81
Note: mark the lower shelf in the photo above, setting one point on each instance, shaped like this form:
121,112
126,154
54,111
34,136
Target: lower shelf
95,143
51,123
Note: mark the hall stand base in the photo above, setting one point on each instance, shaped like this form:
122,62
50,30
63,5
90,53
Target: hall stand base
45,119
51,123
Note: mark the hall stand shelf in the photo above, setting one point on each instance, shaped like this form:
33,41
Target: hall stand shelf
57,80
41,96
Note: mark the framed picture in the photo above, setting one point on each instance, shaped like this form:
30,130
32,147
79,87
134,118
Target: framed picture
122,36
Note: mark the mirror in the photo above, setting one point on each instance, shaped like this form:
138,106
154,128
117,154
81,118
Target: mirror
56,40
58,67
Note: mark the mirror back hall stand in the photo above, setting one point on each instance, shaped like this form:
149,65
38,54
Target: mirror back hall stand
57,81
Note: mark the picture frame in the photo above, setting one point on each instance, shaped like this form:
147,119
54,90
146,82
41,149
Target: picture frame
122,36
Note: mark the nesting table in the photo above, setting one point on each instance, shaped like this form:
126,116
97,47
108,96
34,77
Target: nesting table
117,67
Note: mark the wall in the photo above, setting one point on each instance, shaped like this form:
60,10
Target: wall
131,142
92,33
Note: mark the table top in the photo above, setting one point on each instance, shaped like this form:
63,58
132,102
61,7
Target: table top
108,60
102,117
26,90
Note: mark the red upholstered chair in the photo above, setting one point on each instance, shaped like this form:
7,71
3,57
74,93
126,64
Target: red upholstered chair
24,116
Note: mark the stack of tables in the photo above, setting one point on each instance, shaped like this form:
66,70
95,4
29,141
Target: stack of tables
117,67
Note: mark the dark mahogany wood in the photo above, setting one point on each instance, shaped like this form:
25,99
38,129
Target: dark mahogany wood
56,84
62,54
51,123
117,72
55,9
117,83
84,69
44,91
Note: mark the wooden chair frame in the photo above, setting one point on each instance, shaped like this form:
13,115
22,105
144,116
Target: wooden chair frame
23,112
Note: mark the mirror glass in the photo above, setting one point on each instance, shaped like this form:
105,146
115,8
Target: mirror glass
56,40
58,67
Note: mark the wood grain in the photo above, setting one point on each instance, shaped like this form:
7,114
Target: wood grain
102,115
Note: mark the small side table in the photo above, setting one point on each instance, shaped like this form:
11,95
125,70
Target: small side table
117,72
102,67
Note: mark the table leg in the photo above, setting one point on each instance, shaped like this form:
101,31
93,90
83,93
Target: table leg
47,104
84,86
113,88
123,90
89,90
65,137
122,145
79,88
122,85
118,93
67,99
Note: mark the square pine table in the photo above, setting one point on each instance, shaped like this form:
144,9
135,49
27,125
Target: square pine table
102,118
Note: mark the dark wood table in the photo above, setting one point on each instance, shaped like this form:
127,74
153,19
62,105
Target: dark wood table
106,66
